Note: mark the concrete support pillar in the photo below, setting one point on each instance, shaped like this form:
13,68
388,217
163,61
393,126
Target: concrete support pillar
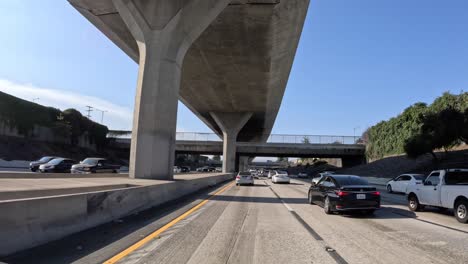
164,30
243,163
230,124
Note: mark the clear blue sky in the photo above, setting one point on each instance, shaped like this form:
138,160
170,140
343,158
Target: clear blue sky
358,62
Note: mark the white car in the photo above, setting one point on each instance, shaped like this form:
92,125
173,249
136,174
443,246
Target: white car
244,178
319,176
400,184
280,177
270,174
177,169
442,189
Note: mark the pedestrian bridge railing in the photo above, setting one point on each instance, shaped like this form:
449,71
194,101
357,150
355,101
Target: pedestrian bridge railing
273,138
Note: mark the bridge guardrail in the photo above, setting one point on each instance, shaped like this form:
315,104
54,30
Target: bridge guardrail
273,138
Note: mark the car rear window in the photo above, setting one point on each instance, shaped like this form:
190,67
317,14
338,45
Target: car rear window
349,180
419,177
244,174
456,177
55,161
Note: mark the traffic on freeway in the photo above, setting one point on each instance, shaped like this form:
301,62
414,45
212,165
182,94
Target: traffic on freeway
271,223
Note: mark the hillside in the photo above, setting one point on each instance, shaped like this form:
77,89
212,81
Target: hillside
24,119
390,137
396,165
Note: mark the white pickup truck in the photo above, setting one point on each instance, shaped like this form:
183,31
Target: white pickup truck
443,189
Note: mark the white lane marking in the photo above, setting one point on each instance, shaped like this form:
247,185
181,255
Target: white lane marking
282,201
287,206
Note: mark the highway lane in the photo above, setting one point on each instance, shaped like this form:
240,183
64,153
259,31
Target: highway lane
266,223
243,225
393,235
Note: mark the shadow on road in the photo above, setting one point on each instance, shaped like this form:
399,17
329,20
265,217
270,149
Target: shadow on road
383,213
268,200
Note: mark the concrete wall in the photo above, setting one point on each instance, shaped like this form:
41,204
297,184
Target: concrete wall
31,222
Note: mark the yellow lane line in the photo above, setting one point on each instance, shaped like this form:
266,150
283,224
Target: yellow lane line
156,233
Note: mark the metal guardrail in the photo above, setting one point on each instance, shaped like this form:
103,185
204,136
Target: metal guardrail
273,138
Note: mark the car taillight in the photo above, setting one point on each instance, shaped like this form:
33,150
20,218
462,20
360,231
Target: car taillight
376,193
341,193
238,177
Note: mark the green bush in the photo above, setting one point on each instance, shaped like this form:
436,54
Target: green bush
444,129
24,115
389,137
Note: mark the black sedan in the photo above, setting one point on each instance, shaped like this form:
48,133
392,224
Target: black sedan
57,165
95,165
338,193
34,165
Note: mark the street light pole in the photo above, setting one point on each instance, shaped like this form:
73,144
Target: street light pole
102,114
355,131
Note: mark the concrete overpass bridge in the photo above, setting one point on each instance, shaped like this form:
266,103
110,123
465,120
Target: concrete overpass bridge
343,147
228,61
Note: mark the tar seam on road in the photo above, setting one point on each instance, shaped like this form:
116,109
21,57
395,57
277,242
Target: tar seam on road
337,257
432,223
158,232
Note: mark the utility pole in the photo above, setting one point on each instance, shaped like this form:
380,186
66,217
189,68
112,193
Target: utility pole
102,114
89,110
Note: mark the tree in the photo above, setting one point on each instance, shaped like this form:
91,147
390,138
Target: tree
390,137
282,159
305,140
419,145
464,132
439,130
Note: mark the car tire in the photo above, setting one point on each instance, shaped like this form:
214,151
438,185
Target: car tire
309,198
327,206
389,188
368,212
461,211
413,203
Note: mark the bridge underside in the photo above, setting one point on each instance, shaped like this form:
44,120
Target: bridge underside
216,56
351,154
240,63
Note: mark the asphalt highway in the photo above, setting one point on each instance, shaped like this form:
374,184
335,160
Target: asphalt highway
265,223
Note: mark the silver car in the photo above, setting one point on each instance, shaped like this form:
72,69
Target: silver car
319,176
244,178
280,177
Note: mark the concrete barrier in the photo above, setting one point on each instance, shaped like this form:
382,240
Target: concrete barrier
28,223
37,175
28,194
